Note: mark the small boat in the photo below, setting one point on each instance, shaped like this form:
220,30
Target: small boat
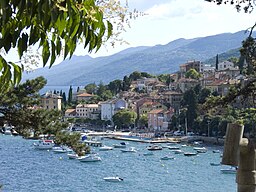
113,179
167,158
89,158
58,149
7,132
190,154
173,147
184,145
121,145
231,170
154,148
178,151
216,151
105,148
72,156
44,144
148,154
131,149
215,164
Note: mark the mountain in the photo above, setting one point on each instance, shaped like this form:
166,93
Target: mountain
81,70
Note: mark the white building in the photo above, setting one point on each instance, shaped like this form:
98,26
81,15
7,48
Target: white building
109,108
90,111
226,65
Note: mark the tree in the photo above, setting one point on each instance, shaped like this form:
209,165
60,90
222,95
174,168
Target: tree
143,120
70,93
91,88
124,118
115,86
126,83
217,62
54,26
192,73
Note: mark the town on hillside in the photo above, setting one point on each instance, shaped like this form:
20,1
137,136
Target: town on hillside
170,106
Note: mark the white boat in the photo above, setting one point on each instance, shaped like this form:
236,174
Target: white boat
216,151
178,151
44,144
121,145
72,156
59,150
231,170
167,158
113,179
215,164
7,132
173,147
154,148
200,149
190,154
105,148
131,149
89,158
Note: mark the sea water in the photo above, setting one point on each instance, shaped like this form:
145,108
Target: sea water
25,169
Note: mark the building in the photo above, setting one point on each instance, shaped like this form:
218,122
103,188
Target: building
226,65
83,97
50,100
174,99
197,65
109,108
185,84
69,113
158,119
90,111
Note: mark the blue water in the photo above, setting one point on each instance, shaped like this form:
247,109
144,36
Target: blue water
24,169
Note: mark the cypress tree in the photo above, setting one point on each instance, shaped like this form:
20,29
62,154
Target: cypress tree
70,94
78,89
217,62
64,99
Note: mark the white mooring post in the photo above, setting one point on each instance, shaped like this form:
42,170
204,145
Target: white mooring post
240,152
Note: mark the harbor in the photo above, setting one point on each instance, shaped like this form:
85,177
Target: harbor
142,170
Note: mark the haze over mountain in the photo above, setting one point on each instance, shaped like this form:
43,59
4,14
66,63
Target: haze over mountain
81,70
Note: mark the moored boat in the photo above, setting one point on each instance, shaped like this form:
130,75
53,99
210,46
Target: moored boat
59,149
154,148
121,145
231,170
190,154
167,158
131,149
113,179
44,144
215,164
89,158
72,156
105,148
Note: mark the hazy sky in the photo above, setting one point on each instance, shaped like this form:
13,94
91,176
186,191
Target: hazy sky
167,20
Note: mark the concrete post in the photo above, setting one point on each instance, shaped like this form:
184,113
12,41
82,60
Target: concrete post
246,173
240,151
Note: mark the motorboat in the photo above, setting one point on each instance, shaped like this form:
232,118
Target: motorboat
154,148
173,147
216,151
58,149
200,149
44,144
113,179
131,149
167,158
231,170
89,158
178,151
105,148
190,154
121,145
72,156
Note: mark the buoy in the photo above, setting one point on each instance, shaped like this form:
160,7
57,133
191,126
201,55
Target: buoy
60,158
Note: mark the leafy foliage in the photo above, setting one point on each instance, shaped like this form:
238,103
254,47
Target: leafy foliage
124,118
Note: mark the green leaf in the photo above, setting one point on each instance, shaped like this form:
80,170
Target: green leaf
53,57
110,29
45,52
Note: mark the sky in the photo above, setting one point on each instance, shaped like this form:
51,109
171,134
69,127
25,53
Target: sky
167,20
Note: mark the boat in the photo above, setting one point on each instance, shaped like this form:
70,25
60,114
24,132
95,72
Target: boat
89,158
59,149
72,156
200,149
216,151
178,151
44,144
215,164
190,154
148,154
173,147
131,149
105,148
121,145
7,132
113,179
154,147
231,170
167,158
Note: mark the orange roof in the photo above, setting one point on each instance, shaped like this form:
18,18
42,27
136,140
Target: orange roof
84,95
156,111
70,110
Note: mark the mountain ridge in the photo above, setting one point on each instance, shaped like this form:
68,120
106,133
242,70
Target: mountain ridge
158,59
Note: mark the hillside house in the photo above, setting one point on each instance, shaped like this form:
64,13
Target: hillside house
197,65
70,113
109,108
174,99
90,111
84,97
159,119
185,84
149,106
50,100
